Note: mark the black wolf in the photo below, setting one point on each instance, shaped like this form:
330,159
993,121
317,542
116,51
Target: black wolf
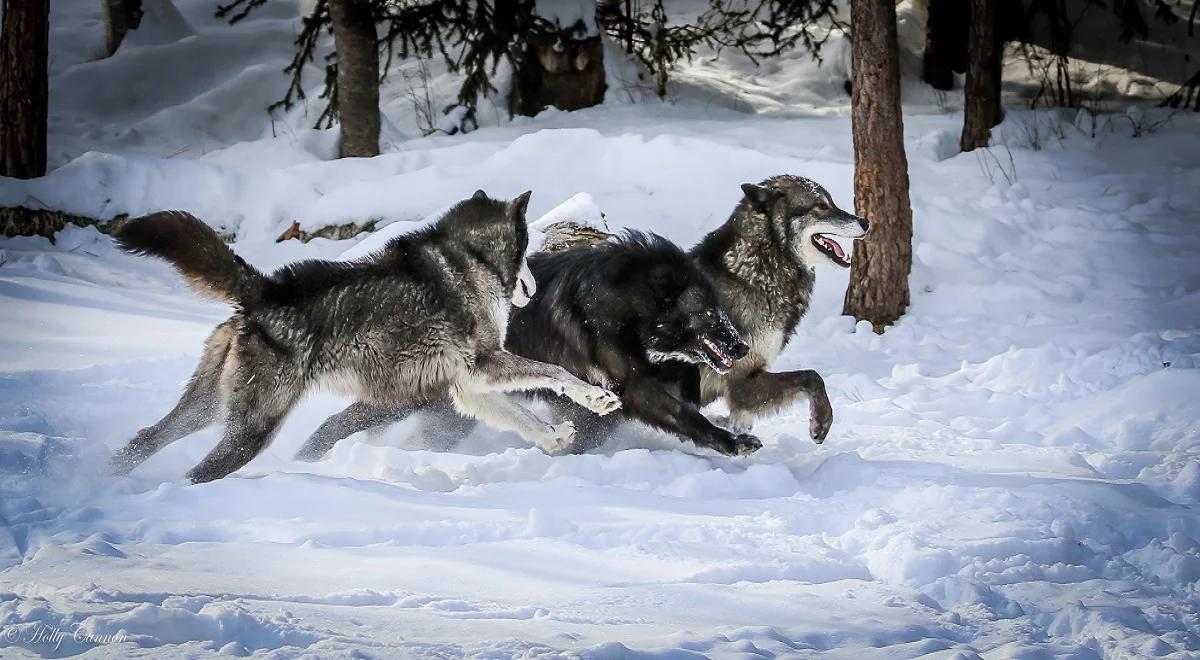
422,320
633,315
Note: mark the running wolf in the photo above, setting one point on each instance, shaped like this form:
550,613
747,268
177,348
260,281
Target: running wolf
424,319
763,261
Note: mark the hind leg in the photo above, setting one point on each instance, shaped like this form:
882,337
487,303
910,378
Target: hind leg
197,408
443,426
358,416
262,392
591,430
250,428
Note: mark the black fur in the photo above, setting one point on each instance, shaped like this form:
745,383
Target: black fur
600,310
603,313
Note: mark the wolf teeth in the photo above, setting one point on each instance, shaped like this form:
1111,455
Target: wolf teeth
725,360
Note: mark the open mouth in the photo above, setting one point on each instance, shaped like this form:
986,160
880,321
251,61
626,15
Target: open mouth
716,358
831,249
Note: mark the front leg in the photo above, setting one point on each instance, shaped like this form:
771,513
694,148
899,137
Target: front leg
764,392
647,400
496,410
501,371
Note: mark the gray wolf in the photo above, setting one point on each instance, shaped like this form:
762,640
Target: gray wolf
762,263
424,319
634,315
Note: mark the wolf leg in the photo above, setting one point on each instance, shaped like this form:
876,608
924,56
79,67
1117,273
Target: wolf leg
358,416
764,392
443,424
499,411
648,401
262,396
196,409
508,372
591,430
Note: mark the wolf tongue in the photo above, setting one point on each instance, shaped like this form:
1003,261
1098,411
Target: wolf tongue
833,245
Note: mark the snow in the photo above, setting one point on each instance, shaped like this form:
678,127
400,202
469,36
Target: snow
1013,471
580,208
568,14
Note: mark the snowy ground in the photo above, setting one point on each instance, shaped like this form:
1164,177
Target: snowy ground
1014,469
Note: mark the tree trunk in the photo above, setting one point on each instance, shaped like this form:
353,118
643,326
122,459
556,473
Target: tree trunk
354,38
560,71
945,43
24,87
878,289
120,16
982,100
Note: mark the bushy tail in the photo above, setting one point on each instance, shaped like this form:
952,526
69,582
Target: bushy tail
196,251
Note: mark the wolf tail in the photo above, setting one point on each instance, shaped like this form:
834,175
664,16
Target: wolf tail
196,251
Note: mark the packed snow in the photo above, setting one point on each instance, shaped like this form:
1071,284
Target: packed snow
1013,471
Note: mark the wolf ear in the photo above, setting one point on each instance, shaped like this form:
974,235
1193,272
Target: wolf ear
479,194
760,196
518,205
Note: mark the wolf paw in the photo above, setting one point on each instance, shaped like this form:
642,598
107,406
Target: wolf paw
558,437
595,399
821,418
744,443
735,425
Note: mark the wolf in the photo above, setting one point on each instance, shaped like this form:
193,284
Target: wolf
633,315
761,261
423,319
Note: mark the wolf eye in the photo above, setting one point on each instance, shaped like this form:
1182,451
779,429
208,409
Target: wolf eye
709,313
821,206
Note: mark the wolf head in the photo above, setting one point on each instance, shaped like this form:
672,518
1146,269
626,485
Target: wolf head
802,217
683,318
495,232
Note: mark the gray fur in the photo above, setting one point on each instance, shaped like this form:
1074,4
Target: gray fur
762,261
421,320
